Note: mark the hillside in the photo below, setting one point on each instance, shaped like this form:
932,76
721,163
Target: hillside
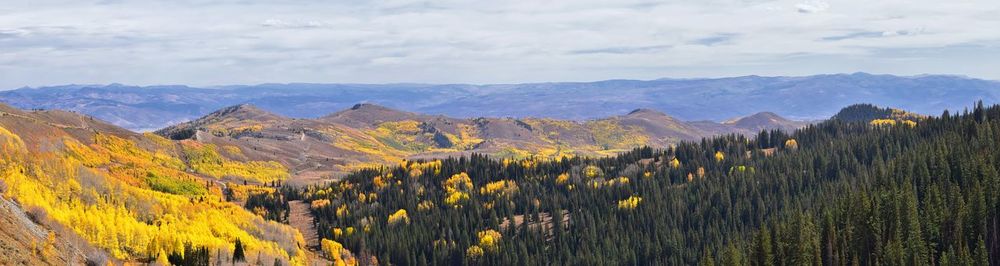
716,99
135,197
369,134
831,194
869,112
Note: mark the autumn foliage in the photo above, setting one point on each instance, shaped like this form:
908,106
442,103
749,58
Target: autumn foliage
132,197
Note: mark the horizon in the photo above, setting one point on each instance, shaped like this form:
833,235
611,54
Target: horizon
224,85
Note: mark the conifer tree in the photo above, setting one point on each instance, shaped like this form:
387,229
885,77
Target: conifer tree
238,252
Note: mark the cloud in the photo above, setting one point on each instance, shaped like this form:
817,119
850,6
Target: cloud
623,50
13,33
203,42
812,7
855,35
715,39
872,34
279,23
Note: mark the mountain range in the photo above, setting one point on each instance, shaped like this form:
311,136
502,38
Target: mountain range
369,135
801,98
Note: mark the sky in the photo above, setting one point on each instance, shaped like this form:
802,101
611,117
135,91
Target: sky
205,43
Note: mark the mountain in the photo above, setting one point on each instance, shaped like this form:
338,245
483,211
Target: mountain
76,190
717,99
369,134
763,121
370,115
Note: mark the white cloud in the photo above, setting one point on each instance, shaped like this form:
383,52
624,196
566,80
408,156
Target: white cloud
812,7
279,23
224,42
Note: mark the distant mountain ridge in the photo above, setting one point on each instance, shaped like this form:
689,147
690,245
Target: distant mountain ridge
717,99
369,134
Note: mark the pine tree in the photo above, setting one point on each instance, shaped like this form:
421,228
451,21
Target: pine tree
982,257
762,248
238,253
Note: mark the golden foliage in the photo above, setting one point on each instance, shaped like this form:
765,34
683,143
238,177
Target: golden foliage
457,189
418,168
10,143
84,154
399,217
379,182
425,205
592,171
892,122
719,156
205,159
337,232
474,252
103,193
620,181
455,199
499,188
562,178
791,144
342,211
489,240
337,253
675,163
595,184
319,204
629,203
883,122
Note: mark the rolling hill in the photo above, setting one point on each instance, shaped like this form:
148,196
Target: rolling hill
369,135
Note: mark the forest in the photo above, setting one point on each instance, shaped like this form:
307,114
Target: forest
853,190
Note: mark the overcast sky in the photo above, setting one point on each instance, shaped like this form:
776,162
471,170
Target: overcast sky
145,42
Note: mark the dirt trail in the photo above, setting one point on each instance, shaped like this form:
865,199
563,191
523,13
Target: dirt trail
32,119
300,218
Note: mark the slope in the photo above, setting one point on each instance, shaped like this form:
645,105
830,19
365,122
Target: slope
132,195
833,193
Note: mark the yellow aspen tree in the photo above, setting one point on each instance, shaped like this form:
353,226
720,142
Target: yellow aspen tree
791,144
